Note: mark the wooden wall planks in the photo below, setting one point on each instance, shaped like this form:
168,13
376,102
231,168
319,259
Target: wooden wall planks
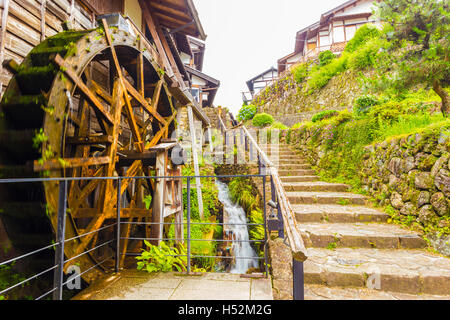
25,27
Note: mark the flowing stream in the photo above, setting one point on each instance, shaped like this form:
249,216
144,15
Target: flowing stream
237,216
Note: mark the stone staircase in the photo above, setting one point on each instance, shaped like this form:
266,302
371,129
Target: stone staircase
353,252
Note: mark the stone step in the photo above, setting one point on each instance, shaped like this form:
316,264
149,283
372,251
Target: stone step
406,271
290,161
337,214
298,172
342,198
315,186
286,179
320,292
359,235
290,157
293,166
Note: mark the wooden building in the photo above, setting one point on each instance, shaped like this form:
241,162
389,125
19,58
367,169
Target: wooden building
332,32
259,82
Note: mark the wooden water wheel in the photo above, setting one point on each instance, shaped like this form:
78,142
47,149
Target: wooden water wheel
83,104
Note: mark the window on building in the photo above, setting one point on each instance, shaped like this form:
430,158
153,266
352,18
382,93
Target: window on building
196,94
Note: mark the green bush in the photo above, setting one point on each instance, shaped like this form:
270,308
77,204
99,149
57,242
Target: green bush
279,126
262,120
324,115
365,56
300,72
362,35
322,75
325,57
364,103
247,112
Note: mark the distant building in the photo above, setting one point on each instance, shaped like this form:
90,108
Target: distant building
256,84
332,32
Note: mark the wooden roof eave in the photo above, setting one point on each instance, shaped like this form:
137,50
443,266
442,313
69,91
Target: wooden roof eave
178,14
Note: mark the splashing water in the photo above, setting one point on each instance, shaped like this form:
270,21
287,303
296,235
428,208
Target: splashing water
241,248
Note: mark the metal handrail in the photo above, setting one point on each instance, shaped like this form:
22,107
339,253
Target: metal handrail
61,261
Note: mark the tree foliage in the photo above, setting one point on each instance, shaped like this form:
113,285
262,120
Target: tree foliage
419,33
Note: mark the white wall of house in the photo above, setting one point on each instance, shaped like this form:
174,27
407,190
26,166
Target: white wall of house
133,10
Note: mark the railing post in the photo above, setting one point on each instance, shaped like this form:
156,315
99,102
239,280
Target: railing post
60,236
188,217
279,214
298,279
259,164
265,226
119,186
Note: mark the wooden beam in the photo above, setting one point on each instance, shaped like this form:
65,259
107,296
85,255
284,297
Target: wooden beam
11,65
160,133
90,140
90,96
3,36
133,155
157,95
148,108
43,24
195,157
131,119
124,213
156,38
57,164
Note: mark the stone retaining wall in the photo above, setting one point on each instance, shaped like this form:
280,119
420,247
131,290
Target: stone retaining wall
409,173
285,97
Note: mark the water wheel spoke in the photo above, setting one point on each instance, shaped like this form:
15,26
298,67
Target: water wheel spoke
128,107
162,132
150,109
90,96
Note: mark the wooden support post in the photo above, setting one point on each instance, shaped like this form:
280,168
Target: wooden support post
158,199
3,36
211,148
195,157
43,23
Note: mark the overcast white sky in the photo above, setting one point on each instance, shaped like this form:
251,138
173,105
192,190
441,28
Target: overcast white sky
247,37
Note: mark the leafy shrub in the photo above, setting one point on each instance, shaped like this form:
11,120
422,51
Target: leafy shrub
324,115
262,120
247,112
325,57
365,56
278,125
343,117
297,125
321,76
300,72
362,35
162,258
363,104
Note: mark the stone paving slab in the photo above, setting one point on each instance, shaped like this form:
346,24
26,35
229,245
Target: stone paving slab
315,186
304,197
361,235
317,292
137,285
407,271
337,213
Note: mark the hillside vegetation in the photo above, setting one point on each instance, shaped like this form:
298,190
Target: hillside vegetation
393,140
